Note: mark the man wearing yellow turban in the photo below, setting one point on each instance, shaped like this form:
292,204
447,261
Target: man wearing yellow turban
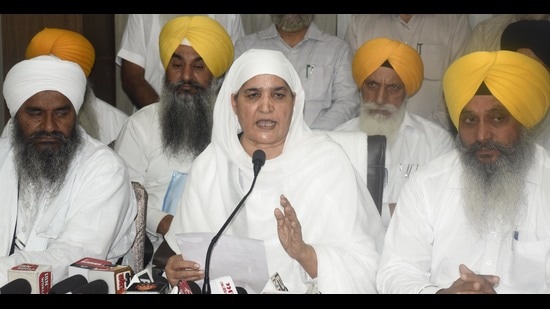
388,72
475,220
141,69
100,119
160,141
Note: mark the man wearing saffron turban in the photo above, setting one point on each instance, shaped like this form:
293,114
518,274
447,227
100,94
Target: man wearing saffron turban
475,220
65,195
100,119
160,141
388,73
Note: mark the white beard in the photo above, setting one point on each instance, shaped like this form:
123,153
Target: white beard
378,124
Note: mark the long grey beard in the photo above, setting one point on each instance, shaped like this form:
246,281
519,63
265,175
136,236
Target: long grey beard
494,193
186,119
292,22
44,170
377,124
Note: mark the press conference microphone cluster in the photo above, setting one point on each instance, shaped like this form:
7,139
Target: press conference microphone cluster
258,160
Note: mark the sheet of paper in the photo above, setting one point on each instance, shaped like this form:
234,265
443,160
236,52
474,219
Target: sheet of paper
241,258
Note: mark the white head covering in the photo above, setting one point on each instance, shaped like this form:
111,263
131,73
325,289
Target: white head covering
41,73
251,63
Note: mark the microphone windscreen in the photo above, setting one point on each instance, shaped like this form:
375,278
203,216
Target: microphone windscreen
69,284
94,287
16,286
258,157
241,290
195,288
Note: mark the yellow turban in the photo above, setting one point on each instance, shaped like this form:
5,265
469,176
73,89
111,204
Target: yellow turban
64,44
519,82
207,37
404,59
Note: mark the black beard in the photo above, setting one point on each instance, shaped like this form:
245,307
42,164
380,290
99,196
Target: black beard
47,166
186,119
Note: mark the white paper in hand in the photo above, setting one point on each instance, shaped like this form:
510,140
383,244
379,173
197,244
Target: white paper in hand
241,258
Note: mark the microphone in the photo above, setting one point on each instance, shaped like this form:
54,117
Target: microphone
258,160
241,290
93,287
16,286
69,284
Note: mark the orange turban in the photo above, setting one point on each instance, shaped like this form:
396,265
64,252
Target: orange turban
519,82
404,59
65,44
206,36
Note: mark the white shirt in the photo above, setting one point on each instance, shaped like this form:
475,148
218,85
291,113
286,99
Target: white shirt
140,41
429,236
92,216
439,38
418,142
140,145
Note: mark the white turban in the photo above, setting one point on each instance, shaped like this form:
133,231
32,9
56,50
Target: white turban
41,73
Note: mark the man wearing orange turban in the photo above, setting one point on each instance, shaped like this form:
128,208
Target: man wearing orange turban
100,119
161,140
388,72
475,220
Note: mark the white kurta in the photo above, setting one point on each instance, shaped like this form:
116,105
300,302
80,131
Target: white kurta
93,215
418,142
429,235
140,145
337,215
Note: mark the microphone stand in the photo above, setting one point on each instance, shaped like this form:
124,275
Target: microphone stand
258,159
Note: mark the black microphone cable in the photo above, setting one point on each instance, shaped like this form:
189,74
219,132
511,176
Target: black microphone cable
258,159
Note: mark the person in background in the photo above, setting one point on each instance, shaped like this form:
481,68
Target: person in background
65,195
532,38
475,220
100,119
323,62
141,72
486,35
388,73
438,38
318,222
160,141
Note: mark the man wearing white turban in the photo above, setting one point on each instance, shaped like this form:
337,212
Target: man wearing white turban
315,216
160,141
475,220
65,195
388,73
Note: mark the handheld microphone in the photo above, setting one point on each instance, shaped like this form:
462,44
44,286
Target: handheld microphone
258,159
16,286
93,287
69,284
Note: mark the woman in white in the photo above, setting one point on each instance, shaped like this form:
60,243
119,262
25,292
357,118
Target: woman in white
318,222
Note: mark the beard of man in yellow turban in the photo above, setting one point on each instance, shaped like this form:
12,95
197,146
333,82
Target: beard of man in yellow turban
386,72
494,99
